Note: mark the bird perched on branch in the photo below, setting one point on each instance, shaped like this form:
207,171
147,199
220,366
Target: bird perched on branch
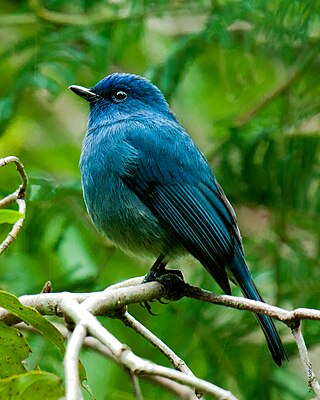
151,191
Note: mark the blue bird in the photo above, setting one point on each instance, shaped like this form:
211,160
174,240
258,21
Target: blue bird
149,188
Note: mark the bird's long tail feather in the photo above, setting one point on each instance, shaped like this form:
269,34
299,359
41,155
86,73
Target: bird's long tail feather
244,281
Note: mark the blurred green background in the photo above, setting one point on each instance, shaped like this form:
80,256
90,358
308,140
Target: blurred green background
243,79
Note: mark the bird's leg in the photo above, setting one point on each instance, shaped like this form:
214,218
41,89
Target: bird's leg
158,270
172,279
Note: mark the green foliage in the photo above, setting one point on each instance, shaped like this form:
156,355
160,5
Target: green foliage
9,216
243,78
14,350
32,317
16,382
32,385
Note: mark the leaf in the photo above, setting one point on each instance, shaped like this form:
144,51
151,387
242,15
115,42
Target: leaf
36,385
10,216
33,318
13,350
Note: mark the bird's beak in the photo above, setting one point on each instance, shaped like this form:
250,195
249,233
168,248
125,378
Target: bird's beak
83,92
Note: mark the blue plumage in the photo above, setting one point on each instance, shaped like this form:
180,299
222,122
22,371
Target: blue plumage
151,191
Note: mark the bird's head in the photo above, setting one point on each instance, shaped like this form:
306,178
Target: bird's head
121,95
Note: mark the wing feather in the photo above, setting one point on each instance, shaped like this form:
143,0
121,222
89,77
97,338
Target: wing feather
184,195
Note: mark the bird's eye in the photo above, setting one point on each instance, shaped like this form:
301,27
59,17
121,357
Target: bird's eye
119,96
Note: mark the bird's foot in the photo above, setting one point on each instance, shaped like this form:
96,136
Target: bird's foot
155,275
171,279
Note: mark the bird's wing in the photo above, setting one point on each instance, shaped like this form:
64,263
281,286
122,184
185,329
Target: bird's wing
185,196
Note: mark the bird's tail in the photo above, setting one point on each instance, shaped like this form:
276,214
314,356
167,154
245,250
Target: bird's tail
244,280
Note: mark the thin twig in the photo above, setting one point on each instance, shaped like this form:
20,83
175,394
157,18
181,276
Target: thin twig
135,386
140,366
183,392
241,303
71,363
305,361
22,188
128,359
80,315
19,197
123,294
176,361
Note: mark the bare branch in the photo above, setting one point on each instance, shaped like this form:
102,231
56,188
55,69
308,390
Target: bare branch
44,303
126,357
183,392
101,303
176,361
71,363
135,386
178,389
240,303
305,361
113,301
140,366
118,296
18,197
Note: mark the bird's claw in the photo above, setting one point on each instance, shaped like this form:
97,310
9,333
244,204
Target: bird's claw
171,279
156,275
163,302
146,305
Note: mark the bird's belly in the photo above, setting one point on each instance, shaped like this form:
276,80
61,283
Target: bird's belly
129,224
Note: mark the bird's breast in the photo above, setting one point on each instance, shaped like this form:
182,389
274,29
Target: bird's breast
120,214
